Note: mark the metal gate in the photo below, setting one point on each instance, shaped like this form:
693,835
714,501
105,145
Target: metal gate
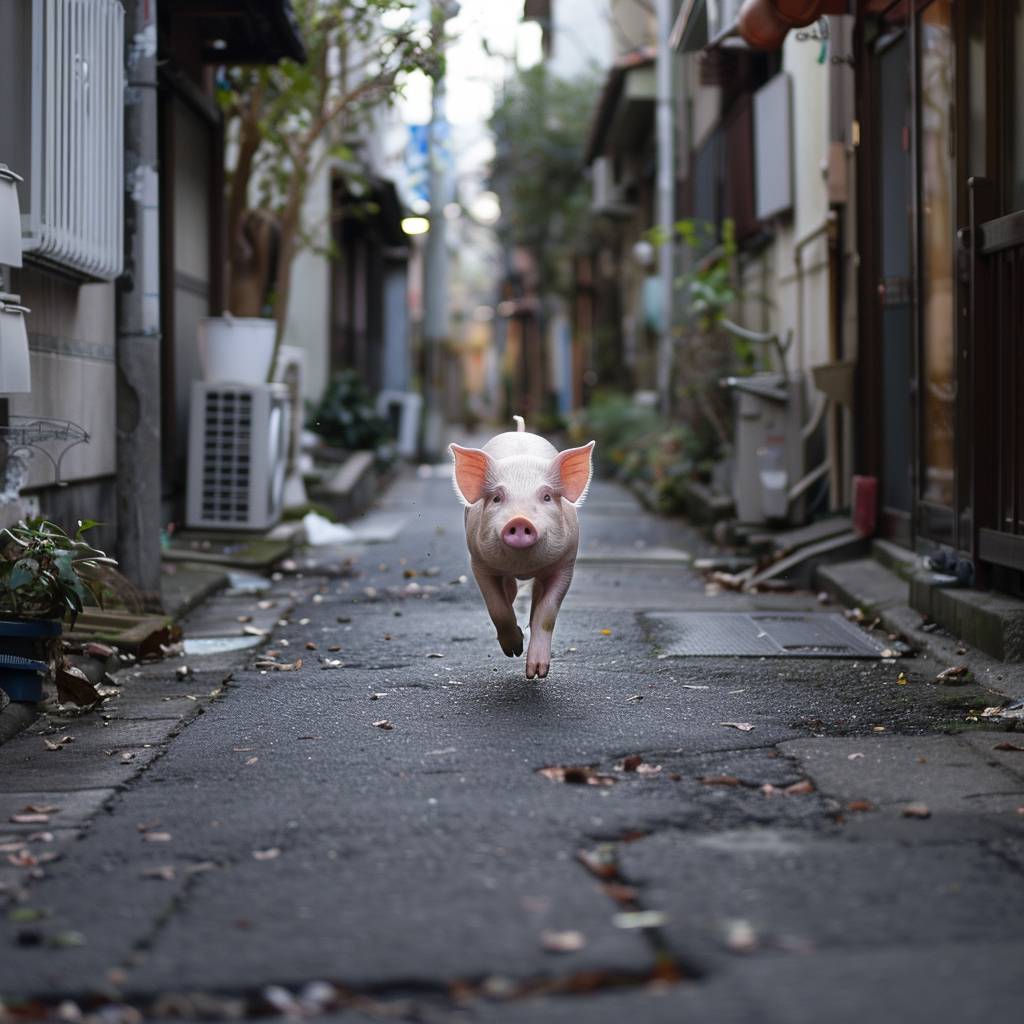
996,252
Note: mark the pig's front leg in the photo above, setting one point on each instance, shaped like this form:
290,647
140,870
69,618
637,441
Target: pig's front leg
498,596
549,591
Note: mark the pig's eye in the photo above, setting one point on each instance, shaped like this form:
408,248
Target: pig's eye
547,497
497,499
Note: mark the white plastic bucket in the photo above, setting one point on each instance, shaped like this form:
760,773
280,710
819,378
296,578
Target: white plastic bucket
236,349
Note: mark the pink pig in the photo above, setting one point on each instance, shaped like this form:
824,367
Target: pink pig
521,497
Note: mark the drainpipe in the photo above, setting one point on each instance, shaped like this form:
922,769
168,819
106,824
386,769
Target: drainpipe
435,269
138,316
666,209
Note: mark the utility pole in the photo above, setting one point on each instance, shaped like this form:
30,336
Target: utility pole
666,200
435,271
138,316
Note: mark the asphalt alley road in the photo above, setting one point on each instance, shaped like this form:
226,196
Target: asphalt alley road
432,872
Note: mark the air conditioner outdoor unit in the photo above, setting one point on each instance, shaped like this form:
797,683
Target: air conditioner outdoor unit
237,455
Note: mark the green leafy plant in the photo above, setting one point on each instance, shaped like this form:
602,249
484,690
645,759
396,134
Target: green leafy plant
346,416
540,126
45,573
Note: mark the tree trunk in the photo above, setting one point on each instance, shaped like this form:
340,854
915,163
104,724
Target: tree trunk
245,289
290,225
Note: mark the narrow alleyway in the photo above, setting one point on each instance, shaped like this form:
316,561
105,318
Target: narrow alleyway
282,832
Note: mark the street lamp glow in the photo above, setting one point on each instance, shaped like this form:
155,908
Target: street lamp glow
486,208
415,225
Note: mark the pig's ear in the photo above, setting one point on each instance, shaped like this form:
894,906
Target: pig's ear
573,469
471,468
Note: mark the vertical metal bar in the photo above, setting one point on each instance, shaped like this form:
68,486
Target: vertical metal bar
666,206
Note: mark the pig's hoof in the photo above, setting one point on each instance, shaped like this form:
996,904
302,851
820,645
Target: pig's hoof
537,669
511,643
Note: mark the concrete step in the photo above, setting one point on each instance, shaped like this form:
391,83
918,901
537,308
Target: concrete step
895,558
994,623
862,583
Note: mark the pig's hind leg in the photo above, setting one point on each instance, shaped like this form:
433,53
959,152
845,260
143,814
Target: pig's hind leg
498,593
548,593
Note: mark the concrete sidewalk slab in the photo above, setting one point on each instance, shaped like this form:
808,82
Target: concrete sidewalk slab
948,774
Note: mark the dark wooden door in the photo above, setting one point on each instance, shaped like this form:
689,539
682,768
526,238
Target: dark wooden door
996,246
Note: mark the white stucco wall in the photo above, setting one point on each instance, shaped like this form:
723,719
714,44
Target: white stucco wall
71,344
309,309
807,317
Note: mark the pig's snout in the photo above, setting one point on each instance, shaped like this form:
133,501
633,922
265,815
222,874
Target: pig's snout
519,533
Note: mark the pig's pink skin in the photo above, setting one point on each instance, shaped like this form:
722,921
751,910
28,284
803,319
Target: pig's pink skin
523,478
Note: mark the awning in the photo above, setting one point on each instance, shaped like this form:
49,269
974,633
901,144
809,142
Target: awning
387,219
626,104
237,31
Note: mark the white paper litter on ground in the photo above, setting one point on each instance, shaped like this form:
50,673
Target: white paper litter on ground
320,531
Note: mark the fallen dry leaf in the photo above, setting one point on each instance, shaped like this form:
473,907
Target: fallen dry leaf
561,942
854,756
40,809
164,872
310,646
73,687
97,650
601,862
383,723
648,769
251,760
692,686
183,671
799,788
605,632
631,763
719,780
434,655
916,811
901,679
624,894
639,919
860,805
636,696
742,726
579,775
270,854
1007,745
156,837
58,744
954,674
30,819
253,631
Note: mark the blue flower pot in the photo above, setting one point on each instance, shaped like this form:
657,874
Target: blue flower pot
23,644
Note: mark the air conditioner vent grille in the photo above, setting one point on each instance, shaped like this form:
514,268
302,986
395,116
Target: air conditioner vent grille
225,486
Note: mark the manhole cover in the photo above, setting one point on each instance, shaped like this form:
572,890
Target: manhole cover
761,634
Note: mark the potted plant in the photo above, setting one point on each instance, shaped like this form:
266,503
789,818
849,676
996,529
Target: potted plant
46,576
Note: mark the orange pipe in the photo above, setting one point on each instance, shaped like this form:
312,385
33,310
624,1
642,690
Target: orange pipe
760,25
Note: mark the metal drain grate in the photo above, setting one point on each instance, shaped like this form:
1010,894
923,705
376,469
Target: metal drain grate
761,635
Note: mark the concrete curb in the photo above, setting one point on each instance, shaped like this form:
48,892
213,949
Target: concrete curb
878,591
15,718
